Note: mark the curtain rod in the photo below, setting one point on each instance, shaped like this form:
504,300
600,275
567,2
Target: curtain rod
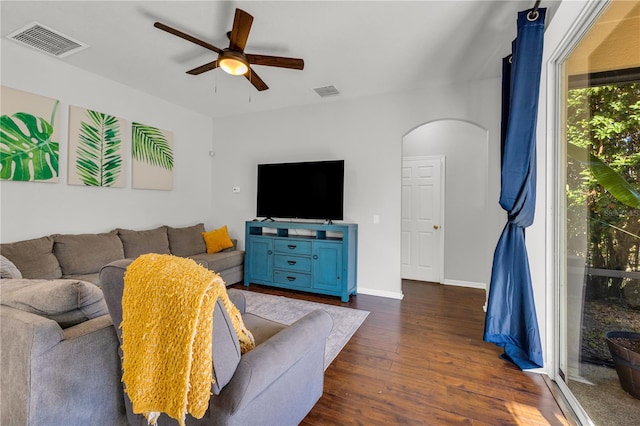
533,13
535,6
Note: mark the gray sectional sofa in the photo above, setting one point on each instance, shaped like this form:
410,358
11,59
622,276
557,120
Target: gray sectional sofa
59,356
80,256
60,361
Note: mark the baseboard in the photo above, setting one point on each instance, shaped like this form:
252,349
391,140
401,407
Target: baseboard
470,284
381,293
400,296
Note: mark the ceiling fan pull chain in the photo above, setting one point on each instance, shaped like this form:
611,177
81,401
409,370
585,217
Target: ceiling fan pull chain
215,80
249,85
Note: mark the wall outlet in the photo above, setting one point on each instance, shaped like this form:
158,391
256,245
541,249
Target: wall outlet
376,219
235,189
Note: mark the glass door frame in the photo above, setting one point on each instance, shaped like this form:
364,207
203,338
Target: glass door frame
556,198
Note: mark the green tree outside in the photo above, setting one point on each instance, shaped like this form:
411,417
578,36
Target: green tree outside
604,121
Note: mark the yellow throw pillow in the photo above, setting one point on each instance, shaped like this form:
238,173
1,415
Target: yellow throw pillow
217,240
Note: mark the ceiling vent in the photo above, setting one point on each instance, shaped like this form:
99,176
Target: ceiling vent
325,91
46,40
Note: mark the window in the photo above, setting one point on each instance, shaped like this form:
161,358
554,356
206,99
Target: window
600,214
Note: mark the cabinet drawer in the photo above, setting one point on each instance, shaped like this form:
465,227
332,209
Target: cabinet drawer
293,279
292,246
294,263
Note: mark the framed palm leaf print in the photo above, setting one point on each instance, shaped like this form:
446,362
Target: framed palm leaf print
151,157
97,153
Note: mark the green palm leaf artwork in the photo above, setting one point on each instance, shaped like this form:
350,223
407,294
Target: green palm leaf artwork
27,151
99,158
149,145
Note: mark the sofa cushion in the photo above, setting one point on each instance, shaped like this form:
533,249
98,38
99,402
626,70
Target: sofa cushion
186,241
8,269
68,302
86,253
225,348
220,261
217,239
93,278
262,328
141,242
34,258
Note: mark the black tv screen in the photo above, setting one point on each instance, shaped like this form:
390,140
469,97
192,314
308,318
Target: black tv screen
307,190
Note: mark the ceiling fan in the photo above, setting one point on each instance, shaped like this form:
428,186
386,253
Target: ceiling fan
233,59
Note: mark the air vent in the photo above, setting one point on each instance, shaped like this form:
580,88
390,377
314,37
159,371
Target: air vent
325,91
46,40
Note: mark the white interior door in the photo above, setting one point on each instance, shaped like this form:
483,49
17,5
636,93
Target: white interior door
422,214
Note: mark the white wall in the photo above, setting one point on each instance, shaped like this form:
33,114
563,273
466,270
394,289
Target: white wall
467,247
367,133
34,209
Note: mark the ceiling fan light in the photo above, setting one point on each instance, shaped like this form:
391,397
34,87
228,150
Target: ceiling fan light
233,64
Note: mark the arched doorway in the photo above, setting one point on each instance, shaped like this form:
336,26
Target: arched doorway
456,247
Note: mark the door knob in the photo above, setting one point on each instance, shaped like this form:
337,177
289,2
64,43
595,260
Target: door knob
436,227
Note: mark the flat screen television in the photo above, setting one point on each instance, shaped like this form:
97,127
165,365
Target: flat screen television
305,190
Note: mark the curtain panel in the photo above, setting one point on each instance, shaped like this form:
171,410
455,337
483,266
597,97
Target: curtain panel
511,320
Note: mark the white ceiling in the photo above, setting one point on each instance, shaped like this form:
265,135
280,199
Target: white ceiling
360,47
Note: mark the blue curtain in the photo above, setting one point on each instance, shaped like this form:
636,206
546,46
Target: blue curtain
511,320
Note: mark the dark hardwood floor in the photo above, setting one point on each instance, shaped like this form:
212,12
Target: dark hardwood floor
422,361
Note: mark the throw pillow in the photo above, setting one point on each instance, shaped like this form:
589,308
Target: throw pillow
8,269
136,243
217,240
67,302
34,258
81,254
186,241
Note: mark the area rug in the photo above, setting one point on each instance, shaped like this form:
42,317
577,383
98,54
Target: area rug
286,311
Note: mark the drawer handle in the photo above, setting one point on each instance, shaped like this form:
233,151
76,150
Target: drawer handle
315,257
291,262
291,278
292,246
269,252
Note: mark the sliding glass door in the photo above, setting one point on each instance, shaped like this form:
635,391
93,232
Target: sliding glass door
599,206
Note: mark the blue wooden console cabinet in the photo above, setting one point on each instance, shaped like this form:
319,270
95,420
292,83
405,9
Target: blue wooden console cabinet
309,257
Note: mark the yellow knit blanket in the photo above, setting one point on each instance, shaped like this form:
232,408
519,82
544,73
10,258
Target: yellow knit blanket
167,323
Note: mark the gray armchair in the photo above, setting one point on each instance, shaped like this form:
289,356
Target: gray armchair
276,383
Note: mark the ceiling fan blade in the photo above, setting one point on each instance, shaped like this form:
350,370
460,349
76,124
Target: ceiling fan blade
204,68
186,36
275,61
256,80
240,31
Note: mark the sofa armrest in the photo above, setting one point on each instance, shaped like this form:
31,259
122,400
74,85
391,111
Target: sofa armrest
90,352
262,366
24,335
55,374
31,333
87,327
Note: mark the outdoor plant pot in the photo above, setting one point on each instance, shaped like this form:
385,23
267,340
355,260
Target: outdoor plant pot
625,349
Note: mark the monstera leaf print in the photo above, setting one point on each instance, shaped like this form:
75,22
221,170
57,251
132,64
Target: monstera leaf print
99,161
27,152
149,145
